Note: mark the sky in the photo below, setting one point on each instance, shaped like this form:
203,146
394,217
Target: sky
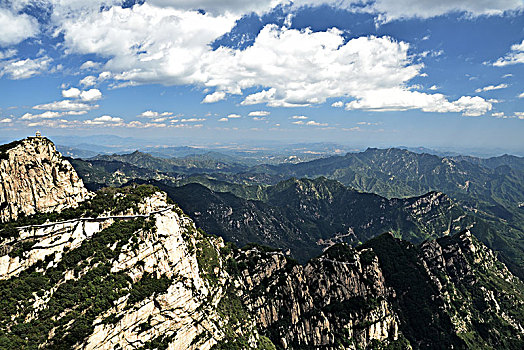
376,73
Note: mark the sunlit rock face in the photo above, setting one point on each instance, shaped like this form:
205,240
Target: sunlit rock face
35,178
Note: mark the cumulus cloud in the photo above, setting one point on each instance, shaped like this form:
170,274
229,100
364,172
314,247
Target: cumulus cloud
138,50
314,123
87,65
50,115
223,120
23,69
521,95
299,117
516,55
88,81
492,87
71,93
45,115
234,116
16,27
259,114
157,116
214,97
298,68
502,115
105,119
66,105
6,120
397,99
91,95
337,104
288,67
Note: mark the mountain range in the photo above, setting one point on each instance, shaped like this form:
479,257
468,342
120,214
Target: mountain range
129,268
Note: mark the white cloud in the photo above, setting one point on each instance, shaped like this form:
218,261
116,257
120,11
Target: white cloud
234,116
298,122
7,54
501,115
294,68
23,69
88,81
236,7
141,53
434,87
66,105
155,115
299,117
516,55
223,120
45,115
150,114
521,95
71,93
89,65
288,67
105,119
50,115
91,95
394,9
214,97
314,123
16,27
337,104
397,99
259,114
6,120
492,87
193,120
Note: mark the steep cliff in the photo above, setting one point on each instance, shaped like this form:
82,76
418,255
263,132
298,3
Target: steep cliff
452,293
336,301
141,276
35,178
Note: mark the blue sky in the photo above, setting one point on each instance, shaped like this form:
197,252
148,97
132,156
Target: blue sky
374,73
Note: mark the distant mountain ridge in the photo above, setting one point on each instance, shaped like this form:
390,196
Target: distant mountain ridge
494,195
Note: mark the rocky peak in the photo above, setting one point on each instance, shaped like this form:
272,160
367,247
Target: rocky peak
35,178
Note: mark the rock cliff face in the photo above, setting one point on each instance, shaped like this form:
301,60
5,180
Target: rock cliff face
144,277
338,300
35,178
456,288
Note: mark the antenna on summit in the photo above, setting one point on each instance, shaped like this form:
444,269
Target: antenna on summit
38,134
